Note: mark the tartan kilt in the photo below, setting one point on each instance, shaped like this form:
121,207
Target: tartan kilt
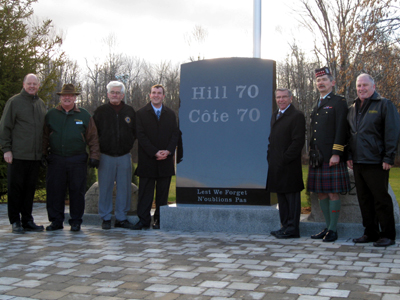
327,179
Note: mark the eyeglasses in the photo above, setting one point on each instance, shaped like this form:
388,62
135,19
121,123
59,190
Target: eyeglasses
115,93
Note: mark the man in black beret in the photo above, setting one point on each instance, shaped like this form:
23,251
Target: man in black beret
328,175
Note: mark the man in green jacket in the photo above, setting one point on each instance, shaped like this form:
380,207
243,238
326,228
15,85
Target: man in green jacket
21,129
67,131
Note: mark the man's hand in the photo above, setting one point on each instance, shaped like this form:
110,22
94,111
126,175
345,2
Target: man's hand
386,166
350,164
335,159
162,154
8,157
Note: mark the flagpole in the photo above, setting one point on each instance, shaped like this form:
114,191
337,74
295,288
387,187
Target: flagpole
257,29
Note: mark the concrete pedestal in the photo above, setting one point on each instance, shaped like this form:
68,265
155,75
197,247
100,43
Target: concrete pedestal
242,219
220,218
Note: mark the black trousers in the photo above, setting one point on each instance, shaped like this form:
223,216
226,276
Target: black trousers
375,202
22,176
289,211
66,173
146,195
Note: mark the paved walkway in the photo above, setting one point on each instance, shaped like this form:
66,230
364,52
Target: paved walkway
153,264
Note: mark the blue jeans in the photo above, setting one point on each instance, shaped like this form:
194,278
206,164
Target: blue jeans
117,169
66,173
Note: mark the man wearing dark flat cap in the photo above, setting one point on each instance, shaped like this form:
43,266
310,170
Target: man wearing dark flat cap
67,131
328,175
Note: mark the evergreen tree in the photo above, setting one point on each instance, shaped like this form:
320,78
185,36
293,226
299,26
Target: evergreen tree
25,47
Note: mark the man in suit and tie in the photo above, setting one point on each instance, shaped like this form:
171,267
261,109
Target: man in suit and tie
328,137
158,135
285,176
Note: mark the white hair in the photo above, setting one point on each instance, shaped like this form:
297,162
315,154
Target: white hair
112,84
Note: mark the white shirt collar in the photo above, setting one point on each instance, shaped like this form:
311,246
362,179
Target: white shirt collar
156,109
282,111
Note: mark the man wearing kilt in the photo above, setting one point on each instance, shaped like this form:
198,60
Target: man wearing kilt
330,176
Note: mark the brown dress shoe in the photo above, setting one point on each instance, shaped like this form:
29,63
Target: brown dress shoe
384,242
362,240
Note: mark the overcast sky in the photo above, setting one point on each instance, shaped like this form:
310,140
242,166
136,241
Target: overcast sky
155,29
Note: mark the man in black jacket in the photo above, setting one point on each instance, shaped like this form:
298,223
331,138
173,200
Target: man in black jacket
158,135
285,175
328,136
116,126
374,135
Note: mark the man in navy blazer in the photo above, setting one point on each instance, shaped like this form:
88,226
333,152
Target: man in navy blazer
157,134
285,175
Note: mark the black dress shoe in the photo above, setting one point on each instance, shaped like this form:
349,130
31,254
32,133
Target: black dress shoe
286,235
384,242
75,227
156,224
330,236
106,224
123,224
364,239
139,226
53,227
320,235
31,226
279,231
17,228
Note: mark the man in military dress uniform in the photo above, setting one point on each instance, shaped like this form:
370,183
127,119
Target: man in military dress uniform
328,138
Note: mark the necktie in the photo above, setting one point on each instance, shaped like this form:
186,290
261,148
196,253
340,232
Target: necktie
320,101
158,114
278,115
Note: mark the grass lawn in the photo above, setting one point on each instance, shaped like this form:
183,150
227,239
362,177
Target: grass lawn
394,180
172,190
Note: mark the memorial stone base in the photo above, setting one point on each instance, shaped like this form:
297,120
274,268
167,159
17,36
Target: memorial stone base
220,218
242,219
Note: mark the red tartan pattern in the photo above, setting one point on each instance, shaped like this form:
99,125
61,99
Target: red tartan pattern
327,179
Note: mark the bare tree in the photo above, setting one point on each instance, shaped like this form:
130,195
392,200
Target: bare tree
196,39
346,31
297,74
